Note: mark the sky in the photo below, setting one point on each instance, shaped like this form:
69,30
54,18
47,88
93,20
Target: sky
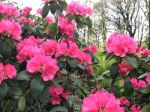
35,4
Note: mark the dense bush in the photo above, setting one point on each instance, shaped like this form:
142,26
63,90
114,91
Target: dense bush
44,67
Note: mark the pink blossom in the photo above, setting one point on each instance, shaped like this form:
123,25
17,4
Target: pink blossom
124,101
125,68
12,28
148,78
92,49
48,19
57,93
135,108
56,90
8,10
39,11
121,45
55,100
66,27
1,78
46,65
28,48
7,71
90,69
101,101
49,47
26,10
144,52
77,8
137,83
10,71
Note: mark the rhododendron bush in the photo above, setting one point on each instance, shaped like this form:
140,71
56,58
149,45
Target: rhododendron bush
45,67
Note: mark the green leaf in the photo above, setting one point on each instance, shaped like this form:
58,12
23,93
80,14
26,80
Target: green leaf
72,100
6,48
52,28
23,75
114,70
3,90
146,108
116,90
63,4
44,96
88,22
72,62
59,109
132,61
37,86
21,104
45,10
128,88
53,7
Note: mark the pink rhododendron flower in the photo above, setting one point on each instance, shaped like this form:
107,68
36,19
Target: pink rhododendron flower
28,48
56,90
144,52
39,11
8,10
45,65
84,57
12,28
57,93
90,69
148,78
26,10
10,71
77,8
121,45
137,83
125,68
66,27
48,19
55,100
135,109
101,102
7,71
92,49
124,101
49,47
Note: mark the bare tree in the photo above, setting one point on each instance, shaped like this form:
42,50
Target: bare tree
124,16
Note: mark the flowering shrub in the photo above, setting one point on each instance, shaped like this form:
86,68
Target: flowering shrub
44,67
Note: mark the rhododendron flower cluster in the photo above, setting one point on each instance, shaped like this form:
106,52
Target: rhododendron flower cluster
28,48
25,20
78,9
92,49
32,49
66,27
26,11
101,102
137,84
49,19
7,71
124,101
57,93
46,65
10,28
125,68
144,52
8,10
135,108
121,45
